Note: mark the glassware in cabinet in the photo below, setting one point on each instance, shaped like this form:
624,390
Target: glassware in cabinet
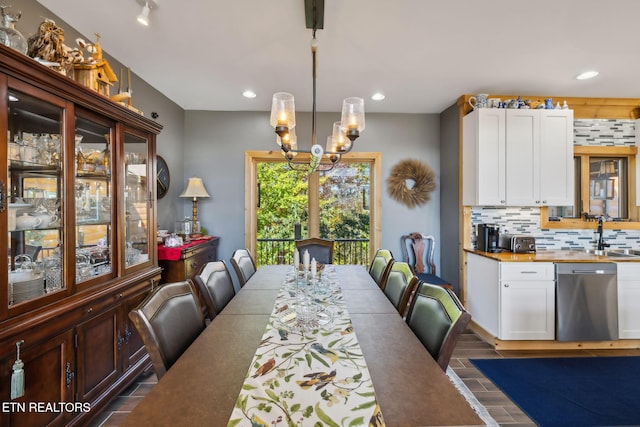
138,199
93,192
34,189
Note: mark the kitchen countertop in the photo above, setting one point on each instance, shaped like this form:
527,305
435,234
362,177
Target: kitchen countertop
552,256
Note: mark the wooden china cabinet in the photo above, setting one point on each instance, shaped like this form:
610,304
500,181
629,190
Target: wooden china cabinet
77,207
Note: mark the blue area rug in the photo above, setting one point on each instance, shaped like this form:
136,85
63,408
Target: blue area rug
572,391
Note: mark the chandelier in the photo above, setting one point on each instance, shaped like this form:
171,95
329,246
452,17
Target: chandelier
283,118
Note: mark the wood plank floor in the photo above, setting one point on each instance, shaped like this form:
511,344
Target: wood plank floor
505,412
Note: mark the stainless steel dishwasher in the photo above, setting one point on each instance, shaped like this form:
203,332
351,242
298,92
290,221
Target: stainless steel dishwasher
586,301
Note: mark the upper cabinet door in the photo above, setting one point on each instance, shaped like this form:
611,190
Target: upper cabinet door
94,231
33,206
138,198
557,183
484,157
523,157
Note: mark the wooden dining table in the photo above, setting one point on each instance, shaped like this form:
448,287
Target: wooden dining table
202,387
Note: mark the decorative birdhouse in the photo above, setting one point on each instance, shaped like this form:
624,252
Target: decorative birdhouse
95,73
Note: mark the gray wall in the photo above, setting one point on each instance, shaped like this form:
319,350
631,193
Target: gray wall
449,197
215,143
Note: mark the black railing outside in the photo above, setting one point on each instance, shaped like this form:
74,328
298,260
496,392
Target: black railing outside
280,251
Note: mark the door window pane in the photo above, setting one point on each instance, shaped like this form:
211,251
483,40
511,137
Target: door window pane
136,198
344,211
282,212
34,181
93,197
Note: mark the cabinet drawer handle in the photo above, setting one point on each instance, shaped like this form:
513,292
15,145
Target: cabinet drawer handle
528,272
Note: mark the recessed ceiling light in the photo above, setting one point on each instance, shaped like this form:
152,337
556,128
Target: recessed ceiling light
377,96
587,75
249,94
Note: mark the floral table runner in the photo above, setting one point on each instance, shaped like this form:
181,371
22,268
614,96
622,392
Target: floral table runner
308,376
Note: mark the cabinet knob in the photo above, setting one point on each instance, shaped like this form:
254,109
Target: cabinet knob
544,202
506,285
503,201
537,202
119,296
90,310
194,265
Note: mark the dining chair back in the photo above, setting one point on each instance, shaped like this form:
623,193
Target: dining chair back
320,249
33,251
418,251
168,321
381,265
216,286
400,285
243,264
438,319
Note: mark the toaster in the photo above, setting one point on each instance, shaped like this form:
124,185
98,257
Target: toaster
517,243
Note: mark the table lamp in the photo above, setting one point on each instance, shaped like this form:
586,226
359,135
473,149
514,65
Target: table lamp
195,188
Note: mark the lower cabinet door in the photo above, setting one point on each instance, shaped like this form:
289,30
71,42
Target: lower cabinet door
97,354
49,382
134,347
527,310
628,313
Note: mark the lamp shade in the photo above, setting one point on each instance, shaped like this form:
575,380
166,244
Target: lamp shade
353,114
283,110
195,188
340,142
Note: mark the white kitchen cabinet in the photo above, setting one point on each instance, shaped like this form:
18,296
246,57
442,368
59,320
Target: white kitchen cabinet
527,301
512,300
518,157
483,157
628,300
483,278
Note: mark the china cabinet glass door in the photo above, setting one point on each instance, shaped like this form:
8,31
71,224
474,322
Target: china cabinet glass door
137,199
93,192
34,188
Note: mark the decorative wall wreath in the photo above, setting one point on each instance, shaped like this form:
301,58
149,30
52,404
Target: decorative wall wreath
410,182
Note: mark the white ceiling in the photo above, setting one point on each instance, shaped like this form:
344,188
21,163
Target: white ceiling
422,54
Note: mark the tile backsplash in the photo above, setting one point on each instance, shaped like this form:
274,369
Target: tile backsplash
526,220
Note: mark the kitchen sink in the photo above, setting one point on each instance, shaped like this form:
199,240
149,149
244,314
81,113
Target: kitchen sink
626,253
614,253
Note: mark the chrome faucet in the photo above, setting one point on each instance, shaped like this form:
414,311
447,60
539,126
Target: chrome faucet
601,243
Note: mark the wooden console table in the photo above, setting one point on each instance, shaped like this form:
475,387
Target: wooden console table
184,262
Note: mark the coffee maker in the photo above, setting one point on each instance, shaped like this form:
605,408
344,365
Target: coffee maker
488,237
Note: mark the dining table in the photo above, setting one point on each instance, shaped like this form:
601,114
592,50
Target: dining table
210,383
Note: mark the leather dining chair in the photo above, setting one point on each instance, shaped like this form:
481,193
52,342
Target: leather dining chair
168,321
381,265
399,285
216,286
438,319
417,251
243,264
320,249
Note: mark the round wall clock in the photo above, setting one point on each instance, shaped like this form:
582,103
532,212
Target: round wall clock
162,177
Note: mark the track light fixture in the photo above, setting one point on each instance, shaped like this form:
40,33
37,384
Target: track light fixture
147,5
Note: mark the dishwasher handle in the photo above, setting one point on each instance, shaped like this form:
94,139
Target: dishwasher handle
591,272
